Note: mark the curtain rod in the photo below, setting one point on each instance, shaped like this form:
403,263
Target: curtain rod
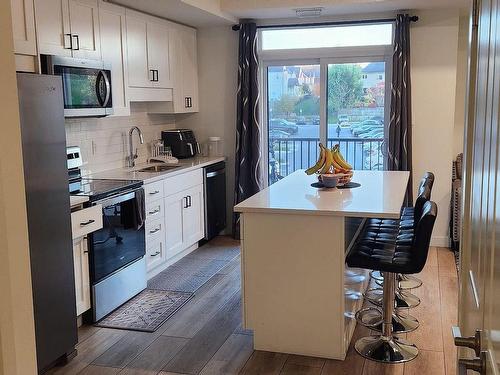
332,23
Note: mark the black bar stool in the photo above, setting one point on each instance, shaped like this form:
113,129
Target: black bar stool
391,260
405,227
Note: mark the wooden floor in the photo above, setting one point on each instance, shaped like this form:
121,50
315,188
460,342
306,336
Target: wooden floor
205,336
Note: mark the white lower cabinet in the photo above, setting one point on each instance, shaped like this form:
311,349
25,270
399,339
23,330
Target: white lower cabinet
82,279
178,208
174,212
193,219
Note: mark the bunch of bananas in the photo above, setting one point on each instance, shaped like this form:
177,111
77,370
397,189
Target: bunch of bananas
330,161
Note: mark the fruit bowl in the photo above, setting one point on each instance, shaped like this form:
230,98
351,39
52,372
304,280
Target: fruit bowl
343,178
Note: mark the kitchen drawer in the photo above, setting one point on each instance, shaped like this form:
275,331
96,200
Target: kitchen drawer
153,191
86,221
155,254
183,181
154,210
154,229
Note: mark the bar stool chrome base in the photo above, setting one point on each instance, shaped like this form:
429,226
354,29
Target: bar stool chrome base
405,282
371,317
386,349
403,299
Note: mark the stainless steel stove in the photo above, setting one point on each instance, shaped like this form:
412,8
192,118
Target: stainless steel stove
116,252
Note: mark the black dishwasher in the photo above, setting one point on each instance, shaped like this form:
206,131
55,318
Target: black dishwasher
215,199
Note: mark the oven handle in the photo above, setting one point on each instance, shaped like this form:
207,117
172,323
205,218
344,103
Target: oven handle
121,197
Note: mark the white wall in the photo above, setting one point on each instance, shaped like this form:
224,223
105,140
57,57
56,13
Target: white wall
104,141
460,99
218,79
17,329
434,43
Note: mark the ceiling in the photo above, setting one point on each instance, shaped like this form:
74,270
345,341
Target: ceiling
188,12
202,13
266,9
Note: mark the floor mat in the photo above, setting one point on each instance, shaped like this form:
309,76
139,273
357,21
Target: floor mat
146,311
187,275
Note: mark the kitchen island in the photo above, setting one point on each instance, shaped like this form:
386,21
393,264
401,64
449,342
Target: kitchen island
298,295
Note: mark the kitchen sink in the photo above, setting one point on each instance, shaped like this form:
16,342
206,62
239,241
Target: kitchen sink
159,168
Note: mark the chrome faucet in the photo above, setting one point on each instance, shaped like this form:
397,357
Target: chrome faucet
133,155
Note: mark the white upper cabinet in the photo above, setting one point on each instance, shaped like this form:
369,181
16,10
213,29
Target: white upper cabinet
23,27
158,36
114,51
148,51
137,52
84,21
68,28
53,29
185,70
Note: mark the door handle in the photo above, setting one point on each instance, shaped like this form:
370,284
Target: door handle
477,364
77,42
157,76
154,192
152,75
472,342
154,212
154,231
70,41
186,202
189,198
155,254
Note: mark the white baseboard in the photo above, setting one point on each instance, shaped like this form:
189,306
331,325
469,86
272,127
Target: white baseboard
440,241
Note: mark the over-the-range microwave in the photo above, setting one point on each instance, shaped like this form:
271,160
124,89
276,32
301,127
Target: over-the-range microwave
86,85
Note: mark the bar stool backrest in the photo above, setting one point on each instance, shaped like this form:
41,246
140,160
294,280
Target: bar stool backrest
423,197
423,233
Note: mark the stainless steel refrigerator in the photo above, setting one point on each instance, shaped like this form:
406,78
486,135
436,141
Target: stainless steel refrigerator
49,217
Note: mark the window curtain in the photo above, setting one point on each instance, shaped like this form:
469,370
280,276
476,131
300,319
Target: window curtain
248,161
399,133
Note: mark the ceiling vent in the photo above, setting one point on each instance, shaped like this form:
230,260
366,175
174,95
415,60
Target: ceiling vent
308,12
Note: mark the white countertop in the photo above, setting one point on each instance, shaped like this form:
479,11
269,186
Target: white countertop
185,165
76,200
381,194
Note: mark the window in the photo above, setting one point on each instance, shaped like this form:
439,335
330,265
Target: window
337,97
327,37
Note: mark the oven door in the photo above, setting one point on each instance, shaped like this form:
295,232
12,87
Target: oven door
121,241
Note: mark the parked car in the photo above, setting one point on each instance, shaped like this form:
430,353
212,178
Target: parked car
273,134
366,129
375,133
283,125
301,121
380,119
343,118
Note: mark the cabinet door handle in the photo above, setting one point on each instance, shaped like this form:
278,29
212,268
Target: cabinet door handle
152,79
77,42
70,41
190,102
186,102
185,200
154,212
154,231
155,254
157,76
189,198
154,192
87,222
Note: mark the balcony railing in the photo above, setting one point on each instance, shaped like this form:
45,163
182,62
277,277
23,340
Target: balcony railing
286,155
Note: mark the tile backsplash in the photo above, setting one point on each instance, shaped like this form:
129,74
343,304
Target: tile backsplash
104,141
